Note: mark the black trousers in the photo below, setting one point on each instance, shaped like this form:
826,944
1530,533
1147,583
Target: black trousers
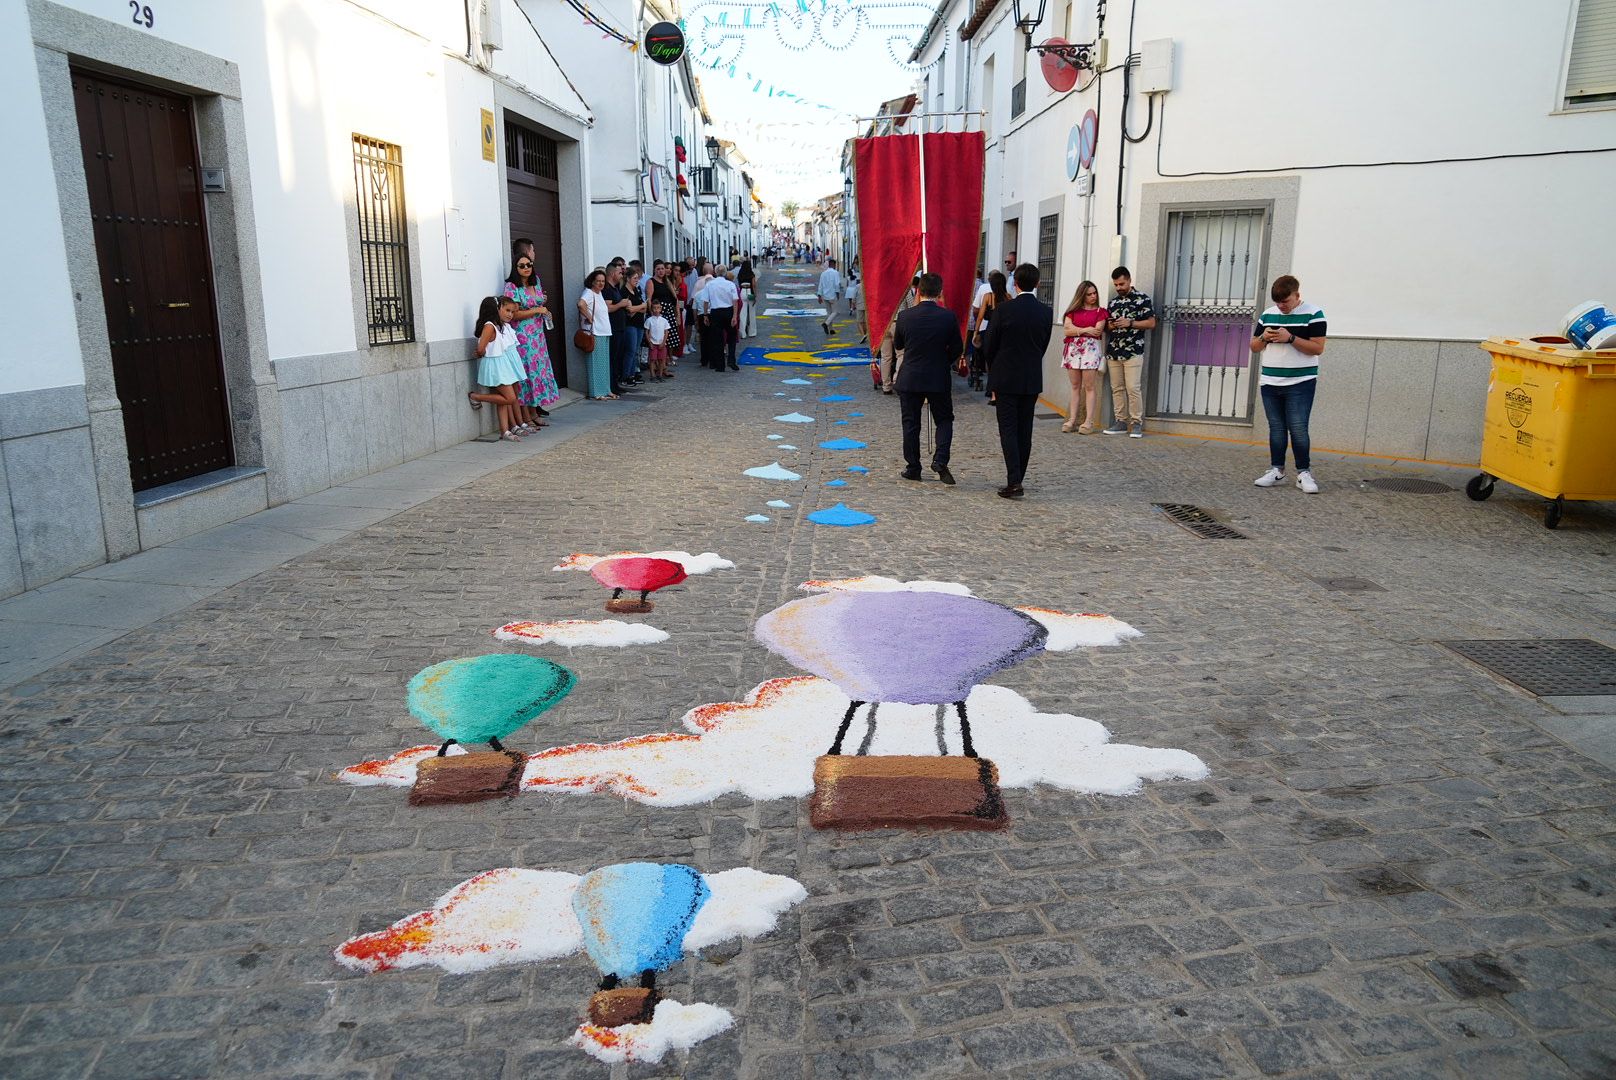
942,414
1015,433
712,343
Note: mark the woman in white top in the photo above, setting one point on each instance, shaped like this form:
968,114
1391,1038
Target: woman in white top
593,315
500,368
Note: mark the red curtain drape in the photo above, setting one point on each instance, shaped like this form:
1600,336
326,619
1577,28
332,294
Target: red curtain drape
887,175
954,214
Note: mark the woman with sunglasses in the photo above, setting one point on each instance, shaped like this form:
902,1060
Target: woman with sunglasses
538,390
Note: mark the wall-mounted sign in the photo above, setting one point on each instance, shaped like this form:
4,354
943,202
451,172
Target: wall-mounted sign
1090,138
488,135
665,43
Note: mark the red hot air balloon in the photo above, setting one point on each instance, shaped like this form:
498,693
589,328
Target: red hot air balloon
639,574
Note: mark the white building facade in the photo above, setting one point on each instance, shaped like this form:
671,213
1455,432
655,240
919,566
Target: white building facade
1425,200
247,248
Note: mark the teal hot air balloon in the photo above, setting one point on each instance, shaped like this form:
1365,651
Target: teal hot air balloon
635,917
485,698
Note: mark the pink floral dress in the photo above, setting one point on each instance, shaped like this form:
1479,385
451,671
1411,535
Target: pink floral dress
539,388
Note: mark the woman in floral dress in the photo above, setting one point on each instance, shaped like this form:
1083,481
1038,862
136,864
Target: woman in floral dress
539,389
664,297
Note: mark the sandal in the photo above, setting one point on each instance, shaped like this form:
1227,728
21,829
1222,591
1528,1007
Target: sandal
475,405
510,436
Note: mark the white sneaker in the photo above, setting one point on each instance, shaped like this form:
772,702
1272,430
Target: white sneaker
1305,481
1270,478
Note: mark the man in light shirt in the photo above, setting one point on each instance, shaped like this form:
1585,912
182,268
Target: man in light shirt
829,293
718,305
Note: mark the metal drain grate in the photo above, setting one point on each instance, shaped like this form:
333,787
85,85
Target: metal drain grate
1408,485
1199,522
1349,584
1572,667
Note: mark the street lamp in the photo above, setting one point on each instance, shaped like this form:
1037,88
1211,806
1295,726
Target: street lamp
1028,22
1083,57
714,151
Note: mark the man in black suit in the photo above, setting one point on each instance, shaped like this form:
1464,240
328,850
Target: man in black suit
1017,335
928,336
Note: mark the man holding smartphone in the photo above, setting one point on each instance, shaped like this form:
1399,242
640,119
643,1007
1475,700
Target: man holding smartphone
1131,314
1289,339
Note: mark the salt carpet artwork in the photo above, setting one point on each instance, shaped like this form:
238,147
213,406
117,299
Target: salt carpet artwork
772,471
571,633
704,563
841,515
633,920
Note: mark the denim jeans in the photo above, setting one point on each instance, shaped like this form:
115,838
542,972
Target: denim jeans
1288,408
631,351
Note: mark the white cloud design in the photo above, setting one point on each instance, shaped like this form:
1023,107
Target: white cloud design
571,633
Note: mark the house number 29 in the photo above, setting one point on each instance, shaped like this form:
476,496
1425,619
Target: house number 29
142,14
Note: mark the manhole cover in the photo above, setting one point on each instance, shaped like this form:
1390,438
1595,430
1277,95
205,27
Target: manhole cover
1408,485
1349,584
1199,522
1573,667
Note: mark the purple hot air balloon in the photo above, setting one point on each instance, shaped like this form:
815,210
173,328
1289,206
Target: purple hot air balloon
918,648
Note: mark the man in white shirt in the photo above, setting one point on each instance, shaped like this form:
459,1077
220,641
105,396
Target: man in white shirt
718,306
829,293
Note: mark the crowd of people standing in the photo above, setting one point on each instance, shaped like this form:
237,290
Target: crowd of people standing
696,304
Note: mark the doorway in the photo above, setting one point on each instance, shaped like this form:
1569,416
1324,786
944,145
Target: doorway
533,190
1010,248
151,248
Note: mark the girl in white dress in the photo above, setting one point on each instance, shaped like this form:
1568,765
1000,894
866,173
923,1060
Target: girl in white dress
500,368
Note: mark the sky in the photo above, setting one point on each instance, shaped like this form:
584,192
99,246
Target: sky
825,61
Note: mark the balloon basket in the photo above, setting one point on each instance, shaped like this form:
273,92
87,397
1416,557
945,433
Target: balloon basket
906,792
624,1005
467,778
625,606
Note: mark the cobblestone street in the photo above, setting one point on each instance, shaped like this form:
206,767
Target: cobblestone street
1396,868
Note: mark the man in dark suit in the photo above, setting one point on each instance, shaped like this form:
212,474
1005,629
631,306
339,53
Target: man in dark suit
928,336
1017,335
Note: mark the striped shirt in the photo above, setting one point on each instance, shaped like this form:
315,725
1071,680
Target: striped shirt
1284,364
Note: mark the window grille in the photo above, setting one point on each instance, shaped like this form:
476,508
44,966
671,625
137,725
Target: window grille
529,152
706,180
384,249
1206,310
1018,99
1048,251
1591,72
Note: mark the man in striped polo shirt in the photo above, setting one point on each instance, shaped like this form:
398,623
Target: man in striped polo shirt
1290,339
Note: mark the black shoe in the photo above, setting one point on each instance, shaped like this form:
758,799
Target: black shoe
541,411
735,367
886,391
943,474
1011,492
910,474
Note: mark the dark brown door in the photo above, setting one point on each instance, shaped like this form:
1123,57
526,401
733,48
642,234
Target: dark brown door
534,196
152,247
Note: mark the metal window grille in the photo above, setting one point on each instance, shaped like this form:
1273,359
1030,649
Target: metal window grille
529,152
1212,278
706,179
1048,247
1018,99
384,249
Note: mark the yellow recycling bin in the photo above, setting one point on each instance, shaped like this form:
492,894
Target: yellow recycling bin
1550,425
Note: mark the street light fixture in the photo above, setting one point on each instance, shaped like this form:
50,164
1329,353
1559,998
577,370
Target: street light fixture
1083,56
714,151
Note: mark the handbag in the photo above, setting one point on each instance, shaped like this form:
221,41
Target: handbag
585,339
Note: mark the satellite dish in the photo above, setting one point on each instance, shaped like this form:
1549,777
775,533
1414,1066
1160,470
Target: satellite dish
1060,75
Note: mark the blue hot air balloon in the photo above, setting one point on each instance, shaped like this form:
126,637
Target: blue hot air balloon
635,917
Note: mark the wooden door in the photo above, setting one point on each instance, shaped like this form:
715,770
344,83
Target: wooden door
152,249
533,193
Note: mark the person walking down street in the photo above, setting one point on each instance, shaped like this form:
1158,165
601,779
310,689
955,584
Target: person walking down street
593,316
500,367
1081,356
538,389
929,336
720,306
634,328
746,279
891,354
1290,339
1131,314
1016,338
830,294
997,293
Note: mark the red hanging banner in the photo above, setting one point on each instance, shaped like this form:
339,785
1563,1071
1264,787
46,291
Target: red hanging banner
888,179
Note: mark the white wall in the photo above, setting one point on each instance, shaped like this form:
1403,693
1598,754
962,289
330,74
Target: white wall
39,342
1486,247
